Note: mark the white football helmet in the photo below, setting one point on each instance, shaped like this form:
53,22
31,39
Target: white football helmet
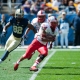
45,26
19,13
52,22
52,19
41,16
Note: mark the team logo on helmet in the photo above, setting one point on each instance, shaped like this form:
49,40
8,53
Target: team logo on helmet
41,12
19,13
41,16
52,19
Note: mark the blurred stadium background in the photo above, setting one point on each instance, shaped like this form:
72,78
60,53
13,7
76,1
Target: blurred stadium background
7,7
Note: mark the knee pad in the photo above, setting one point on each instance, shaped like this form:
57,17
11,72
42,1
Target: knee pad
42,56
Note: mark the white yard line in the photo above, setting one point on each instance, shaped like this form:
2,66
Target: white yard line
66,49
23,49
42,64
14,50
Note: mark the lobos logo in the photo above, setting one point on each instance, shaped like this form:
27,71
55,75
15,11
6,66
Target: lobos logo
44,27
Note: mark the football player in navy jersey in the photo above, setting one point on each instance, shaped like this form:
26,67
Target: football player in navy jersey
19,24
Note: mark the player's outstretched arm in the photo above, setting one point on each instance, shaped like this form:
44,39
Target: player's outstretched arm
4,29
6,26
30,26
27,31
25,34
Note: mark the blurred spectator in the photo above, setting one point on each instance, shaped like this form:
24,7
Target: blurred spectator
60,0
19,3
49,9
63,6
76,24
3,20
38,5
71,8
26,7
0,5
3,23
35,7
46,1
77,1
64,29
4,1
41,2
55,3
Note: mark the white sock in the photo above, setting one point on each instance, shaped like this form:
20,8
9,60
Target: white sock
36,63
0,60
18,62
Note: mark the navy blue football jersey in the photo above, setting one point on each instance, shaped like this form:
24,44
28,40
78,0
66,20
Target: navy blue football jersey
18,27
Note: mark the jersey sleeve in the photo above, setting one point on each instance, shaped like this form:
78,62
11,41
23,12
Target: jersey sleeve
34,21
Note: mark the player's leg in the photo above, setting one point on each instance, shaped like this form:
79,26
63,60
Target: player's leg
62,39
43,53
31,48
48,45
66,39
6,53
76,38
56,41
11,44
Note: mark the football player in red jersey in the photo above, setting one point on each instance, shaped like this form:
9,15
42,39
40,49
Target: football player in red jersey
19,24
37,21
45,34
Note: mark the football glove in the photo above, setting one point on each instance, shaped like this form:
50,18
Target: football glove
25,37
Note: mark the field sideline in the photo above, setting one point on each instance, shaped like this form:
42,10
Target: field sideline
23,49
33,75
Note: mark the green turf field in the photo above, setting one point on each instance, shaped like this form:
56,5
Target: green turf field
60,64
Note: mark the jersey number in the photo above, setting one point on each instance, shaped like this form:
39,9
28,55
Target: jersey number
17,30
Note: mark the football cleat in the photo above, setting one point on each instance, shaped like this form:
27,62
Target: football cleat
34,68
16,66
